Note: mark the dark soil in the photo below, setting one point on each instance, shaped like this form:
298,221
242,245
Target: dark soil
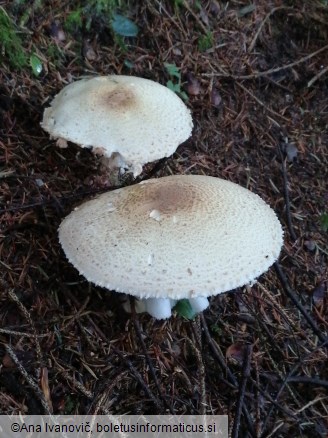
257,82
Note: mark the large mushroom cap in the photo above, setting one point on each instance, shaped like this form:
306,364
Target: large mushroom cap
176,237
137,118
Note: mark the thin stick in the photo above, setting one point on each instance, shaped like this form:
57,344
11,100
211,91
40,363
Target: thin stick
185,4
220,358
145,352
197,348
286,195
70,197
317,76
285,381
308,380
271,70
261,103
291,294
242,388
140,380
14,333
252,44
29,379
27,315
274,402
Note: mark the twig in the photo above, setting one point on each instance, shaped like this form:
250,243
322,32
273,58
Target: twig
201,376
253,42
200,363
216,352
25,312
185,4
106,388
130,366
145,352
291,294
308,380
220,358
14,333
169,16
273,402
242,388
284,383
76,383
140,380
271,70
33,385
261,103
286,195
70,197
317,76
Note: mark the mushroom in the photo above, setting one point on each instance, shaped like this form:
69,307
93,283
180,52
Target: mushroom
165,239
129,120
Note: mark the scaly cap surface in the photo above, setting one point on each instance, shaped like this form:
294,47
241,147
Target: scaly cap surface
176,237
137,118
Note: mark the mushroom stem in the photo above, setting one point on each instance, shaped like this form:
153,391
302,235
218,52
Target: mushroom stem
199,304
159,308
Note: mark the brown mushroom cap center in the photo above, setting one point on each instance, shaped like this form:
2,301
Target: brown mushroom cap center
167,199
120,98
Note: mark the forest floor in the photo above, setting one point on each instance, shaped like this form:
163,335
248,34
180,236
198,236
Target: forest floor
255,77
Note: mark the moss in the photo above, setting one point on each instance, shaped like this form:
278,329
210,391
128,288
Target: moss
11,44
205,42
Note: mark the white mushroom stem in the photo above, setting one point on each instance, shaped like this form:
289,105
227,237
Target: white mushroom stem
199,304
159,308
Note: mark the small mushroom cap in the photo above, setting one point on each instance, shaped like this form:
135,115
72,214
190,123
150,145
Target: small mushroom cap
173,237
137,118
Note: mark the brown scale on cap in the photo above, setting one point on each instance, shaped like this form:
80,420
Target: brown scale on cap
182,236
120,99
138,119
167,200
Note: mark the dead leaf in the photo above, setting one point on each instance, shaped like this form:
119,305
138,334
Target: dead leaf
193,85
215,98
204,17
235,353
310,245
56,32
318,294
291,152
88,51
44,382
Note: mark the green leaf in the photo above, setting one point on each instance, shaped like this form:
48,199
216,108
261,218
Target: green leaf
128,63
36,65
123,26
172,70
184,95
324,221
173,87
184,309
